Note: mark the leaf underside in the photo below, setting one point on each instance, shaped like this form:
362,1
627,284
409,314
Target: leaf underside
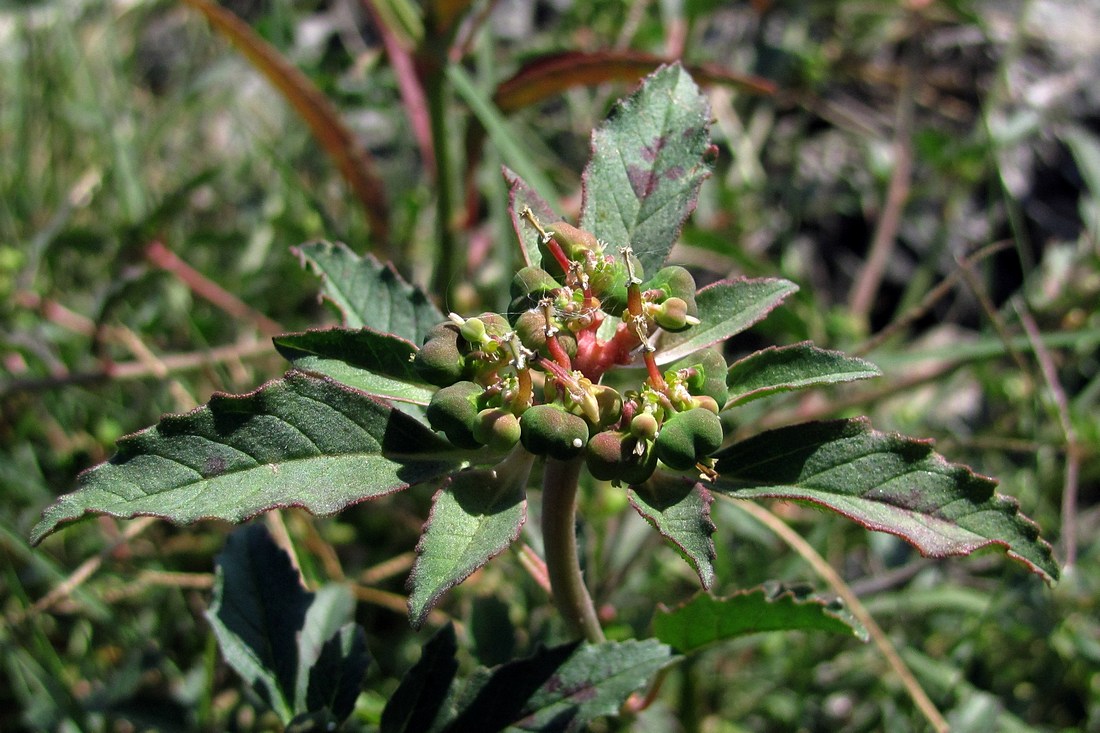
475,516
786,368
299,650
298,441
726,308
369,293
648,161
885,482
705,620
679,509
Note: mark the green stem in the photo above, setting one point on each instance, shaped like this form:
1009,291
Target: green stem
447,269
559,512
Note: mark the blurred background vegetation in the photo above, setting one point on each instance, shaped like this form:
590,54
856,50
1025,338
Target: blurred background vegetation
928,172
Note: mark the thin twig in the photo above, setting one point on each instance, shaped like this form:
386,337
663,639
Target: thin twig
1073,447
209,290
930,299
243,349
870,278
920,698
85,571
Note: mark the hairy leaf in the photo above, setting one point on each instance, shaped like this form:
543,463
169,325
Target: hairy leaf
298,650
419,700
705,619
786,368
888,483
679,509
648,161
476,515
299,441
726,308
369,293
522,196
375,363
559,689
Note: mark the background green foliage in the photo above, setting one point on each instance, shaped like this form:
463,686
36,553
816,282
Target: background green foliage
122,124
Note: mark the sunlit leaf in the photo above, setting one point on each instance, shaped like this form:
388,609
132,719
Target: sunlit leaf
705,620
679,508
369,293
726,308
648,161
885,482
785,368
298,441
476,515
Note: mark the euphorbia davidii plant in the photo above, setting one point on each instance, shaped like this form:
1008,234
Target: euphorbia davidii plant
606,366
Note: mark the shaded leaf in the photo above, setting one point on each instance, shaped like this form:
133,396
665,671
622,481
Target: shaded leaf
416,704
335,652
375,363
648,161
299,441
349,155
726,308
705,620
298,650
559,689
786,368
520,196
679,509
885,482
369,293
551,74
475,516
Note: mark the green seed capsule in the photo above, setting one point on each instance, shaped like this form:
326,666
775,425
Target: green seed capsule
497,428
548,430
688,437
453,411
440,361
615,456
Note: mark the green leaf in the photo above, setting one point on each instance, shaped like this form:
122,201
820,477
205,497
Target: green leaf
420,698
298,650
559,689
368,293
885,482
786,368
705,620
370,361
648,161
522,196
299,441
679,509
475,516
726,308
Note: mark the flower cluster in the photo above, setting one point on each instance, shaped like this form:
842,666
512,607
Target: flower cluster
533,376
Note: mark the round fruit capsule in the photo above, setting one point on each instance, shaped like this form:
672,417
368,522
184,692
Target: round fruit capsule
531,329
440,360
688,437
453,411
530,285
614,456
548,430
497,428
672,315
707,374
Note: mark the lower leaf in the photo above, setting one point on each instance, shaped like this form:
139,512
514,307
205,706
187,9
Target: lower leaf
679,509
